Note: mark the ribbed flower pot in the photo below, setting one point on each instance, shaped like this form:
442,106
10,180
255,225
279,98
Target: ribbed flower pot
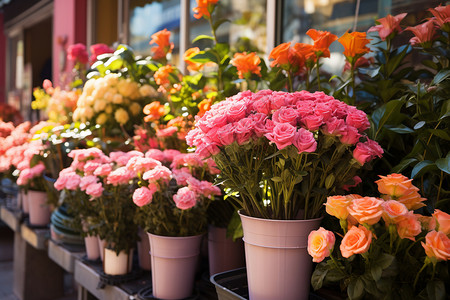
174,262
278,263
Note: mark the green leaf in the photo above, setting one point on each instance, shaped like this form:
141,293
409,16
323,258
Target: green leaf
401,129
318,276
444,164
329,181
403,165
277,179
219,22
355,289
440,133
204,57
441,76
114,63
419,125
202,37
376,272
422,167
436,290
385,260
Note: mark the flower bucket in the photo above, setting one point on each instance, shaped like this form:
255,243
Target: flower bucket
114,264
39,210
24,202
101,246
174,262
92,248
224,254
143,249
277,260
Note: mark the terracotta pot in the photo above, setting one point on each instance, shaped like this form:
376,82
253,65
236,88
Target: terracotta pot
174,262
143,249
39,210
224,254
277,260
114,264
92,248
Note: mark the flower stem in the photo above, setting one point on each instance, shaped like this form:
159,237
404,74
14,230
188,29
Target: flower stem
420,271
318,74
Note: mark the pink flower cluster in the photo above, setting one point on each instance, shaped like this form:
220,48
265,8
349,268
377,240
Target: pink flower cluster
184,168
284,119
12,145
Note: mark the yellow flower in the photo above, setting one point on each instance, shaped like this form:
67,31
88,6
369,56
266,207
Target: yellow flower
135,109
89,87
76,115
108,109
112,79
121,116
101,119
117,99
127,87
88,112
99,105
147,91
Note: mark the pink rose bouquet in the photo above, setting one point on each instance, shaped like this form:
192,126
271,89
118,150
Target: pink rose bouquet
284,153
386,248
175,191
99,189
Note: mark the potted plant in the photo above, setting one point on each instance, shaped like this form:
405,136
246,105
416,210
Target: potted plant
280,154
383,247
174,199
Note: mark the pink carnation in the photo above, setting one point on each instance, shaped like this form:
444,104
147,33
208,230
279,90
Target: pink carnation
169,154
95,190
142,196
103,170
185,198
87,180
158,173
155,154
142,164
73,181
121,175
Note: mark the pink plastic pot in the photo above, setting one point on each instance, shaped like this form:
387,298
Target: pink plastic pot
92,248
39,210
143,249
117,264
278,263
174,262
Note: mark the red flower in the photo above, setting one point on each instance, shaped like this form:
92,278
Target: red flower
424,34
441,16
77,53
162,75
162,39
354,45
246,64
322,41
192,66
99,49
204,7
388,25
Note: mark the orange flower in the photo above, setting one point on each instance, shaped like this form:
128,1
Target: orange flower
356,241
161,38
280,55
412,199
337,206
178,122
320,244
204,7
409,226
162,75
393,211
204,106
192,66
394,185
246,64
442,16
322,41
366,210
388,25
424,34
306,51
291,58
354,44
437,245
154,111
443,219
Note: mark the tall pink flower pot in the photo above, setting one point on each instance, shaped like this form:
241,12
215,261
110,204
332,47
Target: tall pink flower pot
224,254
39,210
174,262
117,264
143,249
92,248
277,260
24,202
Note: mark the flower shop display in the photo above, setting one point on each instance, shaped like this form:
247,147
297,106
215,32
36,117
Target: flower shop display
173,198
383,247
280,154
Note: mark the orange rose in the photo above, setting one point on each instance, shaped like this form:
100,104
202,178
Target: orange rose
204,7
412,199
394,185
305,50
366,210
409,226
162,75
437,245
192,66
204,106
428,223
320,244
280,55
322,41
443,219
393,211
356,241
337,206
246,64
154,111
161,38
354,44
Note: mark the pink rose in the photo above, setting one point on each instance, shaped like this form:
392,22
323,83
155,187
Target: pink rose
365,152
323,110
278,100
226,134
366,210
259,127
207,148
142,196
349,135
98,49
244,130
320,244
236,111
95,190
393,211
262,106
285,115
358,119
305,108
77,53
304,141
356,180
334,126
185,198
282,135
443,219
437,245
356,241
312,122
